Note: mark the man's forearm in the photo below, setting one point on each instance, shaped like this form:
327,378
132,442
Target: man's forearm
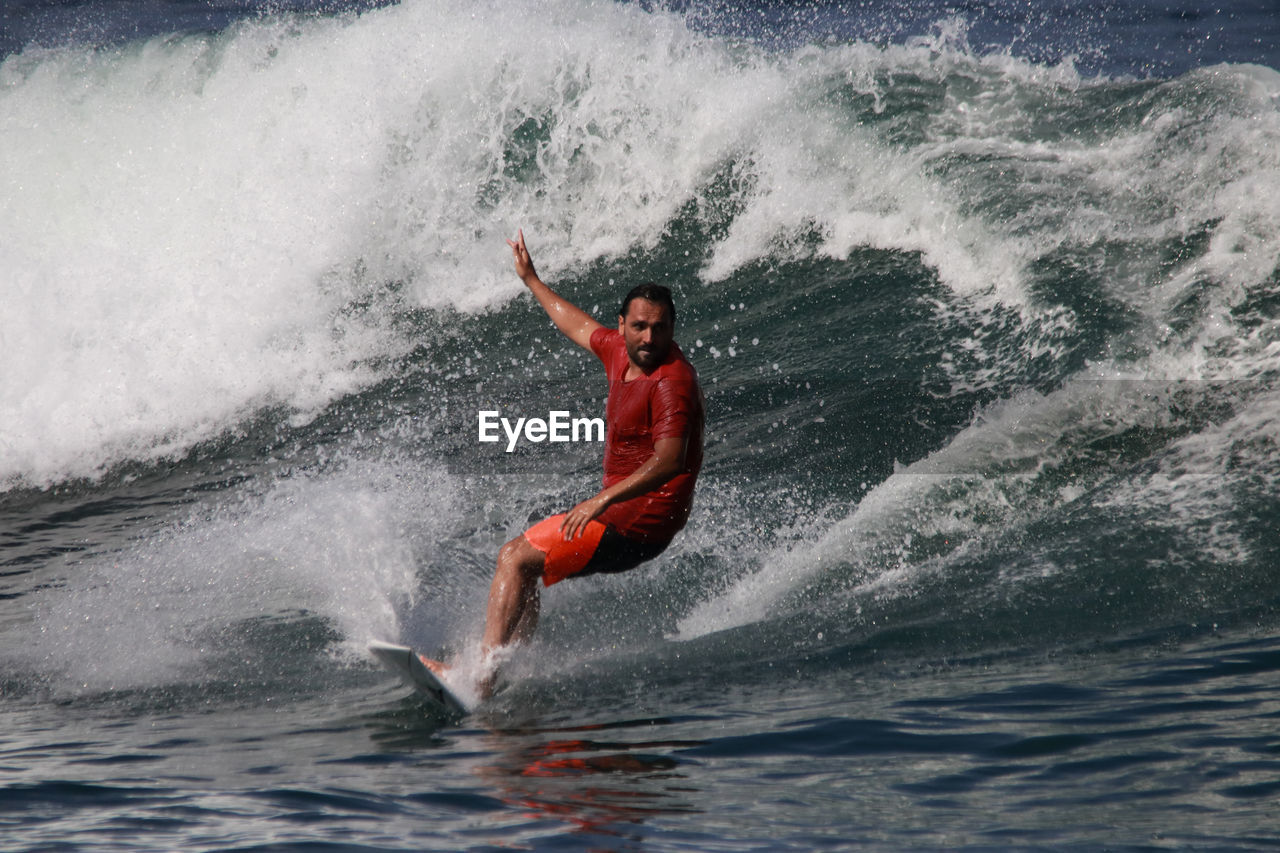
574,323
655,473
666,462
568,318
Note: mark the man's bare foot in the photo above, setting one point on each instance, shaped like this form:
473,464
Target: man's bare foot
440,668
444,671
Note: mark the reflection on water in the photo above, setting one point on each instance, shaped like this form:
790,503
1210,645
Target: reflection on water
572,776
590,784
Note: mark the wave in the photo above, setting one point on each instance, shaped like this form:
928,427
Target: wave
314,563
204,228
299,212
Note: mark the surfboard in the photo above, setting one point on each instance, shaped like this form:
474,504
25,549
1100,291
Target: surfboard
404,662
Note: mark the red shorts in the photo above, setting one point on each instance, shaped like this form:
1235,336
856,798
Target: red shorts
598,548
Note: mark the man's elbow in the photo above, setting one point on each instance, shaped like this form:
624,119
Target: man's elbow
672,463
670,453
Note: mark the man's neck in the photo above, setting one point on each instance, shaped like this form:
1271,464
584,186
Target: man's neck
635,371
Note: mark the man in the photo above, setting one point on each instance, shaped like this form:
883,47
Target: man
653,452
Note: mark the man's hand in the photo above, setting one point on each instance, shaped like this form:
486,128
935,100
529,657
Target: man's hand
574,323
666,462
524,263
575,520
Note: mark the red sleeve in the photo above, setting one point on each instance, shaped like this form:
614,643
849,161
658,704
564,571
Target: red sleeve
672,406
601,340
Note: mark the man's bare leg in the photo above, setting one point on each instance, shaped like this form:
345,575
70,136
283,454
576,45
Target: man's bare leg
514,603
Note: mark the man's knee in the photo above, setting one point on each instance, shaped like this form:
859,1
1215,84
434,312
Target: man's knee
519,555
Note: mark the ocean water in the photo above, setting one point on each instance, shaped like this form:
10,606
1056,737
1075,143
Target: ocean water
985,298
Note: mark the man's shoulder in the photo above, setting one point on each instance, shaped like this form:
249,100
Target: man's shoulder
606,343
677,367
604,336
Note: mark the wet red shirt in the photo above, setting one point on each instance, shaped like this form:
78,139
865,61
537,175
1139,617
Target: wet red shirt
665,404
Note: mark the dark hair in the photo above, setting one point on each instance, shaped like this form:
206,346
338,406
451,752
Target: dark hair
653,293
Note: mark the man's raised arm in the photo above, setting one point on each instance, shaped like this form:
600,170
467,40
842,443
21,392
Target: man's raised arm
576,325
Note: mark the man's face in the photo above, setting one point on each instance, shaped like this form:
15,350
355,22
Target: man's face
647,331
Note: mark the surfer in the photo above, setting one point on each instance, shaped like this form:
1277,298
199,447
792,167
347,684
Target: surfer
653,452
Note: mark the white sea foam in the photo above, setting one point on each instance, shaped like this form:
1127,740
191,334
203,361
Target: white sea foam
998,475
173,217
343,547
200,228
1204,489
187,220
